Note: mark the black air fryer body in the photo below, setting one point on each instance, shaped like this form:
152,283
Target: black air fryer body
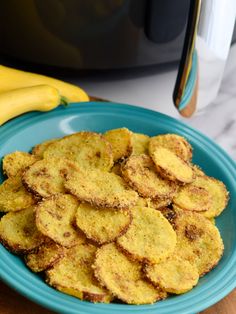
93,34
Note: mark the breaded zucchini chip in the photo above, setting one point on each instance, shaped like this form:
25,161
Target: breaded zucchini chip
140,173
44,256
218,193
101,189
39,149
18,231
176,143
198,241
150,237
55,217
191,197
46,177
88,149
123,277
102,225
14,196
15,163
174,275
73,275
120,140
172,167
140,143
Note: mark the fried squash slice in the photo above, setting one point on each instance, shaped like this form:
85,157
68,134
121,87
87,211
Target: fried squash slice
150,237
44,256
198,241
191,197
218,193
123,277
46,177
15,163
55,217
120,140
140,173
18,231
175,143
14,196
174,275
88,149
73,275
102,225
140,143
39,149
101,189
171,167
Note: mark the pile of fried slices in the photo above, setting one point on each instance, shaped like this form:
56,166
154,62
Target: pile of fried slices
115,216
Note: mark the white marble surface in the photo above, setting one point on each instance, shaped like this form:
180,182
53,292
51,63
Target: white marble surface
218,119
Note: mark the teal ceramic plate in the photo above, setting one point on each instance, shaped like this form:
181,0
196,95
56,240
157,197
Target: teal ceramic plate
24,132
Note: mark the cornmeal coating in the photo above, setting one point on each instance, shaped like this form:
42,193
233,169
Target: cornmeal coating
123,277
174,275
101,189
14,196
120,140
73,275
55,217
140,173
102,225
140,143
176,143
39,149
218,193
88,149
15,163
191,197
44,256
150,237
46,177
172,167
198,241
18,231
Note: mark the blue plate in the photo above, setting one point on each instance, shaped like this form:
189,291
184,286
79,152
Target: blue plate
24,132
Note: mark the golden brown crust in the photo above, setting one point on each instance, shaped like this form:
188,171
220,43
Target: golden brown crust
55,217
120,140
18,231
198,241
175,143
123,277
15,163
14,196
140,143
44,256
73,275
174,275
150,237
140,173
101,189
191,197
46,177
39,149
218,193
88,149
170,166
102,225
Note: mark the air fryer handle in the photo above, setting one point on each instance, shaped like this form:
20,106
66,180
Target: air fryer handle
186,82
